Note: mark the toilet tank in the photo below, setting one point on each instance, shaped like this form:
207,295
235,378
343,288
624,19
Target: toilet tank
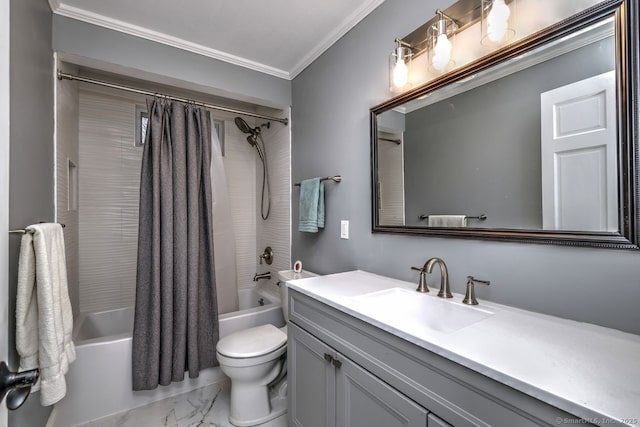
284,276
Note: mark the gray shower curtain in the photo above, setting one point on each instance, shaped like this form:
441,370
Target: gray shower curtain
176,315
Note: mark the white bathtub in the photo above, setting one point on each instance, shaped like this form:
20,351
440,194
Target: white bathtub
99,381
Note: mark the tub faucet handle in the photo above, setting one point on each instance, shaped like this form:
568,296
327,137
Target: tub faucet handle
267,255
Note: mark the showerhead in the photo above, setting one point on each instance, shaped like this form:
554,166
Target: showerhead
245,128
254,134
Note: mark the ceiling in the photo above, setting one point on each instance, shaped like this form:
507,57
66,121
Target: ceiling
277,37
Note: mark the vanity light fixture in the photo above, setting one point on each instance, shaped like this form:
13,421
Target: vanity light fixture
497,22
441,36
400,66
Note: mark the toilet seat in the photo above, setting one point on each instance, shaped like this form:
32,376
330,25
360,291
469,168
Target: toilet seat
252,346
240,362
252,342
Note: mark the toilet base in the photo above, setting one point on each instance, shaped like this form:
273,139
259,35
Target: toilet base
277,415
280,421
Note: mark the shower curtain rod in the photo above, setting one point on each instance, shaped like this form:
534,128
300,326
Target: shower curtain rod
66,76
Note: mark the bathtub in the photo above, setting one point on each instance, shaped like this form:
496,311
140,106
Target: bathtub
99,381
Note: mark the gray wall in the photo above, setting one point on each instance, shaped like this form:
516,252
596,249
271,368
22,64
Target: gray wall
470,154
331,102
31,170
91,42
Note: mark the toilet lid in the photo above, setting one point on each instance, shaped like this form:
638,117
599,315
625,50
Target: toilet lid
252,342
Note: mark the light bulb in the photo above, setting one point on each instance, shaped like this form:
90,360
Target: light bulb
441,53
497,24
400,72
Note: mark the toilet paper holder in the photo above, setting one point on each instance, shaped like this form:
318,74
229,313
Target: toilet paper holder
16,385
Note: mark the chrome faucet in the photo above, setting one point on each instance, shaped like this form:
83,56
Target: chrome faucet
266,275
445,292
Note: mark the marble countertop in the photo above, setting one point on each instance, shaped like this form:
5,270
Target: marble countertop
587,370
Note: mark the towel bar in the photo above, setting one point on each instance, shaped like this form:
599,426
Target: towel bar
23,231
395,141
336,178
479,217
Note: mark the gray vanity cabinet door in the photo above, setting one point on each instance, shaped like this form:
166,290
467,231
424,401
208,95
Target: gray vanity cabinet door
435,421
364,401
312,380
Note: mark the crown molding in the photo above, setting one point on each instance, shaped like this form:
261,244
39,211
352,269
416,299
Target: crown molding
134,30
155,36
54,5
345,26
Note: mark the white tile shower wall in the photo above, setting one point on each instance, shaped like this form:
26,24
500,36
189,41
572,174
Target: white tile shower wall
109,194
240,169
66,134
276,230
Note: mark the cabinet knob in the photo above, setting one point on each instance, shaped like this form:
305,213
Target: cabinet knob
328,357
336,363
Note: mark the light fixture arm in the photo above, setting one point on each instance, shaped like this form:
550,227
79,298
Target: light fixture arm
402,43
444,15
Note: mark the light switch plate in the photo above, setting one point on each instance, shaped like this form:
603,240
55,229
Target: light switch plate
344,229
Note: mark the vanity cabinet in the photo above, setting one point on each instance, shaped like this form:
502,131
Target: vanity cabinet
382,379
328,389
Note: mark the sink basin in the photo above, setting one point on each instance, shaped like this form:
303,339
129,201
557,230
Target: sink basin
417,313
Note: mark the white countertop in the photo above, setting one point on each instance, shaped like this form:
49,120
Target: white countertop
586,370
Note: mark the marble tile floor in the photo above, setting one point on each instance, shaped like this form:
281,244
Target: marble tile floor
207,406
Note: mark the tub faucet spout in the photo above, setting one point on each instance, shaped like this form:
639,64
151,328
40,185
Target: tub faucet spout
266,275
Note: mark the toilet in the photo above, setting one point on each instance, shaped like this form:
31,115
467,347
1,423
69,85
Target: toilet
255,361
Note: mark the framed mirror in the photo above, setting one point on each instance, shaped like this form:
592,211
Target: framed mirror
537,142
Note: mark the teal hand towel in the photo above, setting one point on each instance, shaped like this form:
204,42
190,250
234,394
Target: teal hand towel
321,205
311,216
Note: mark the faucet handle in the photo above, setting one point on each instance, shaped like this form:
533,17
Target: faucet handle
267,255
422,284
470,296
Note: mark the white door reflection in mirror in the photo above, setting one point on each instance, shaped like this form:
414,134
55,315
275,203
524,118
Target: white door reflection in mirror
579,157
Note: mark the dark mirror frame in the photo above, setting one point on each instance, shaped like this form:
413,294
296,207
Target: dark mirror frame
626,21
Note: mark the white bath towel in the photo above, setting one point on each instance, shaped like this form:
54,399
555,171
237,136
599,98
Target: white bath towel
447,221
44,320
